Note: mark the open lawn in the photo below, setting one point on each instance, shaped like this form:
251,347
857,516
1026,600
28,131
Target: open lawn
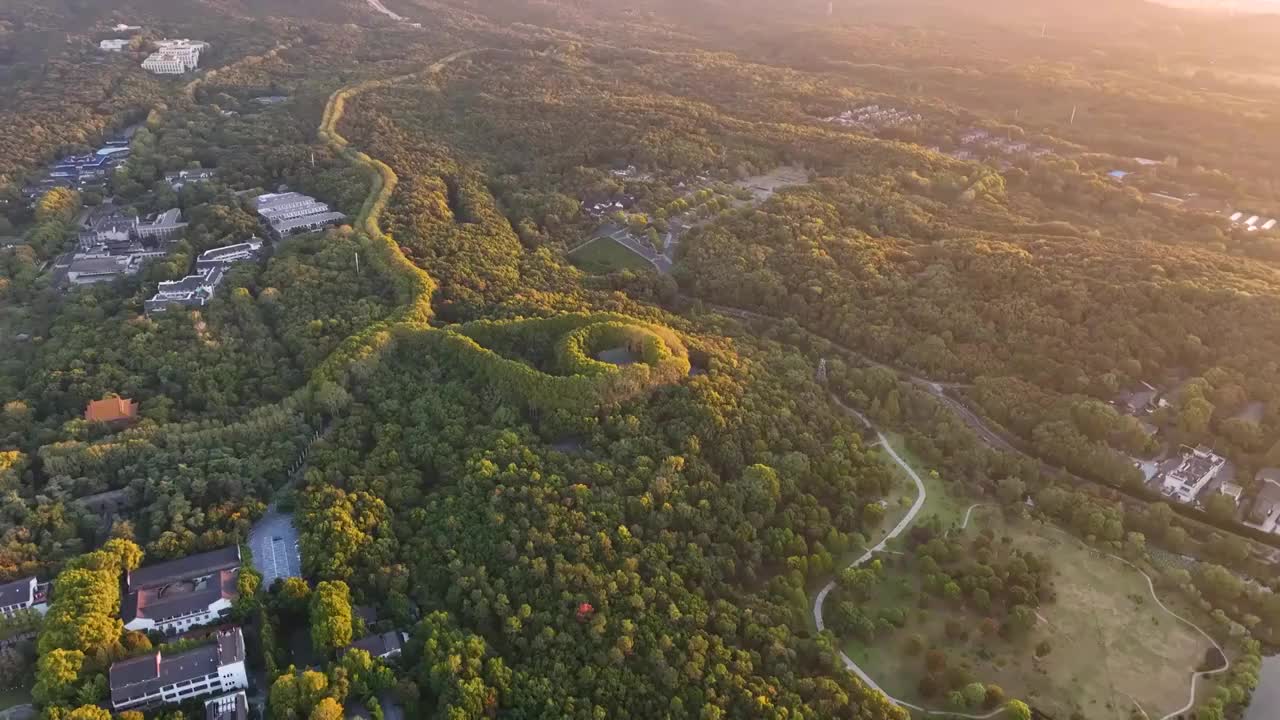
940,503
606,255
1111,645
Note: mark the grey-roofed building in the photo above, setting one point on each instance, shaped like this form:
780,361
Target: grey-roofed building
157,679
1265,512
166,226
308,223
230,254
227,707
91,269
292,212
1138,400
203,564
192,291
381,645
24,594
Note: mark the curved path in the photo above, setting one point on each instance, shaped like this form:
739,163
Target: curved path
906,521
1195,674
897,530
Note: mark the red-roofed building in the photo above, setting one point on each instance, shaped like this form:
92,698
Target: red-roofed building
112,410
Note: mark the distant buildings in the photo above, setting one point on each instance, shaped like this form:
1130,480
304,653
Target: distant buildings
81,172
182,178
157,679
91,269
1198,467
197,289
1251,222
173,597
25,594
1265,512
111,410
871,117
115,45
175,57
291,213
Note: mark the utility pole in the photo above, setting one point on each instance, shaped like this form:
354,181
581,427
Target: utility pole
357,263
1073,115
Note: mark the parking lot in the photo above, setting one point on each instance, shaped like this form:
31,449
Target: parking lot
274,542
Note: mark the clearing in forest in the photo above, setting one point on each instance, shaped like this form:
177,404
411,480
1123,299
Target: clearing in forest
1106,644
605,255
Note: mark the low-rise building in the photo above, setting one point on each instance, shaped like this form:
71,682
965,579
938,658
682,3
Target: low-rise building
1138,400
1198,467
175,57
175,596
24,594
182,178
111,410
290,213
225,256
192,291
1264,514
381,646
114,45
90,269
1232,491
157,679
227,707
164,227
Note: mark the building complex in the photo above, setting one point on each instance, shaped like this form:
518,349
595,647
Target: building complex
159,679
175,596
290,213
197,290
175,57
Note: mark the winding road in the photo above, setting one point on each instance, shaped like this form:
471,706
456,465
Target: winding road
897,530
906,522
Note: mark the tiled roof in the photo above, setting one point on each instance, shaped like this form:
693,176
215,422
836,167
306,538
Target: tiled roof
111,410
153,576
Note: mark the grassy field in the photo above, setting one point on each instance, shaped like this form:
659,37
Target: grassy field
1112,645
605,255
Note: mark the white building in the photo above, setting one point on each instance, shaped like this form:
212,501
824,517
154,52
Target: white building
166,226
175,596
227,707
175,57
121,27
1198,468
289,213
25,594
223,257
114,45
156,679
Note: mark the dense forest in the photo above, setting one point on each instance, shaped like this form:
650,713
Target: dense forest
589,493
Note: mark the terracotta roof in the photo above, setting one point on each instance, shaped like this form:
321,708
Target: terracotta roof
111,410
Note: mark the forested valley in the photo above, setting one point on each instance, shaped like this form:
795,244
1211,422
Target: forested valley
646,335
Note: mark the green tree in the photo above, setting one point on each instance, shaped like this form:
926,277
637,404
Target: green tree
1017,710
331,616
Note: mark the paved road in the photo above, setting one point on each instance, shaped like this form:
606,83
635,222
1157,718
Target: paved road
898,529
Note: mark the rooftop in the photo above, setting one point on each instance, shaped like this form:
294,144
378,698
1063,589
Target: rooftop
148,673
17,592
181,598
379,645
160,574
111,410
